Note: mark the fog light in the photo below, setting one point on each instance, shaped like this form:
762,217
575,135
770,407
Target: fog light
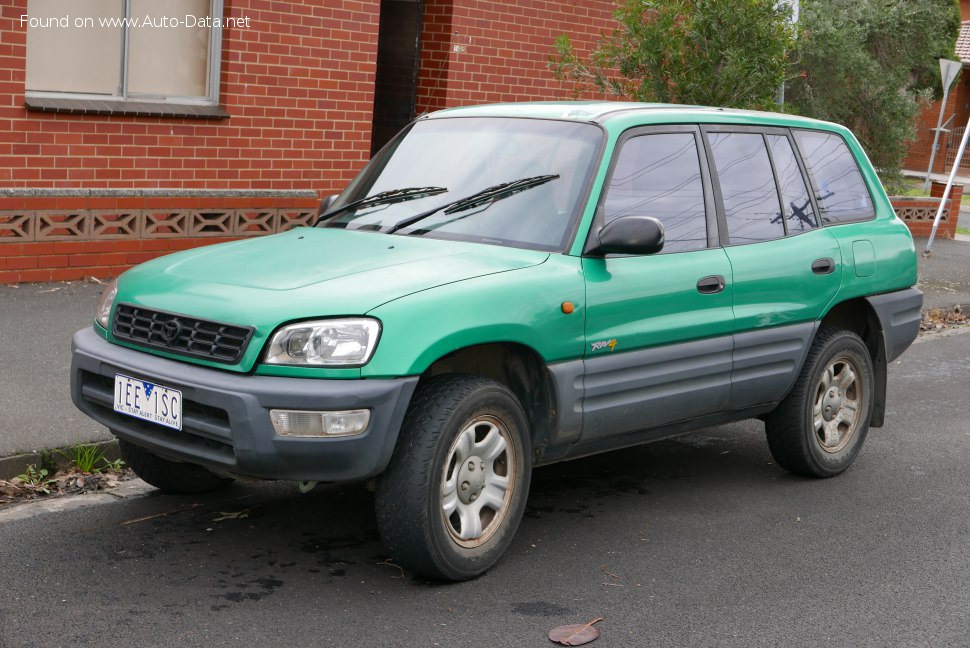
300,423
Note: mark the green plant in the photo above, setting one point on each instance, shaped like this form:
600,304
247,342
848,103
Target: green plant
725,53
84,457
115,466
38,478
48,460
870,66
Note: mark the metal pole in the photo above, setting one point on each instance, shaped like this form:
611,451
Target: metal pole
936,140
946,192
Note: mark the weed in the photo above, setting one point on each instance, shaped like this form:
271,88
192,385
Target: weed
48,461
37,478
84,457
115,466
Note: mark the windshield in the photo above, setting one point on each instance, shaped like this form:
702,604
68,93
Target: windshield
546,163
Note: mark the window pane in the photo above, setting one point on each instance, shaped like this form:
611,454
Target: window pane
660,176
799,213
747,187
839,188
169,61
82,59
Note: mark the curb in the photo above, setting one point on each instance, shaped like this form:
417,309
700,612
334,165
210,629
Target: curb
10,467
29,509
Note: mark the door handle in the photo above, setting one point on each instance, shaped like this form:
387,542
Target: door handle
710,285
823,266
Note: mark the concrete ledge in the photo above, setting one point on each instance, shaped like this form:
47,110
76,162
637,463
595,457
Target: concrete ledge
10,467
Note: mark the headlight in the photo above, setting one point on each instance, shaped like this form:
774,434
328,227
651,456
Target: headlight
328,343
103,312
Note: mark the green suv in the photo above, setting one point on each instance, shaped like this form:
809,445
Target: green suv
508,286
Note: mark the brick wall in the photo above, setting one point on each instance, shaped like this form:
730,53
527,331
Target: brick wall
958,103
298,85
489,51
64,235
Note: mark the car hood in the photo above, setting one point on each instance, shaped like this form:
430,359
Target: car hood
307,273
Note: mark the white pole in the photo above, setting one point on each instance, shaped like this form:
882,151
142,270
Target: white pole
948,72
946,192
936,139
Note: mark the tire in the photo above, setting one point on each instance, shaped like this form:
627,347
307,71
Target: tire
453,494
819,428
170,476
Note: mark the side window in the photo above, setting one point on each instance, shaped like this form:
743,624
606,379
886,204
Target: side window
795,201
839,188
747,187
660,176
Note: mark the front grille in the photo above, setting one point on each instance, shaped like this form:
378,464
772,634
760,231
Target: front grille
188,336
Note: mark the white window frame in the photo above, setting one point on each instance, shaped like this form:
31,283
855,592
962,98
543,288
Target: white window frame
215,69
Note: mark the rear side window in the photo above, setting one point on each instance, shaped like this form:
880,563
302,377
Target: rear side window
795,201
660,175
748,189
841,192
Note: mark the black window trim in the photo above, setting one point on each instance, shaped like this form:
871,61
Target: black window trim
814,190
710,212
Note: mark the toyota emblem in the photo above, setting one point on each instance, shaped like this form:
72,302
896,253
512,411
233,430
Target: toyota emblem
171,330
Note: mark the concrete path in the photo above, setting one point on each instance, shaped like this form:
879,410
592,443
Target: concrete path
36,325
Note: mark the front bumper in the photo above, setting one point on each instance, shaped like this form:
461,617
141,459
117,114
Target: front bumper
226,425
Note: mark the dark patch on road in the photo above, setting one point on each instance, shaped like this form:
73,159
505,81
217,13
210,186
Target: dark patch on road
540,609
266,585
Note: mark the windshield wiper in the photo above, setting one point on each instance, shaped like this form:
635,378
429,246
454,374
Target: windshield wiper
384,198
477,199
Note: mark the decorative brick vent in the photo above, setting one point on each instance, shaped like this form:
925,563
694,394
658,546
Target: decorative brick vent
918,214
48,235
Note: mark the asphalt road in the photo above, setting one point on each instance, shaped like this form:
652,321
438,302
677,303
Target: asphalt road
700,541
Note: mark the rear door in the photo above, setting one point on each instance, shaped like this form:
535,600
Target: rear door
658,327
786,268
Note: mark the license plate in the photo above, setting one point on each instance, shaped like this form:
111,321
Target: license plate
146,400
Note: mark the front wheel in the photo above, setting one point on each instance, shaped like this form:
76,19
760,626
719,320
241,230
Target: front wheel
452,497
819,428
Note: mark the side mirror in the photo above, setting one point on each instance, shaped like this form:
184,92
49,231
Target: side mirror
628,235
325,205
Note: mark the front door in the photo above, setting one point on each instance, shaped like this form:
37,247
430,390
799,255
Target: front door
658,327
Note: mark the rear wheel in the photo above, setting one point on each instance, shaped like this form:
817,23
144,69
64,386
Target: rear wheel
170,476
451,499
821,425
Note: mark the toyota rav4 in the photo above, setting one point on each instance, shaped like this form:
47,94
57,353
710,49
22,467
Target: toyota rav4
508,286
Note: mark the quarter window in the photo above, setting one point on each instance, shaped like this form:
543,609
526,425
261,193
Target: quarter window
142,50
841,192
795,200
660,176
748,191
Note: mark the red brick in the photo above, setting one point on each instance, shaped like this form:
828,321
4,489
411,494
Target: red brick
68,274
21,263
35,275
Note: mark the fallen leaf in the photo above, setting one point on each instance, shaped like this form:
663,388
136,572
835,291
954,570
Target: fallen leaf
232,515
575,635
